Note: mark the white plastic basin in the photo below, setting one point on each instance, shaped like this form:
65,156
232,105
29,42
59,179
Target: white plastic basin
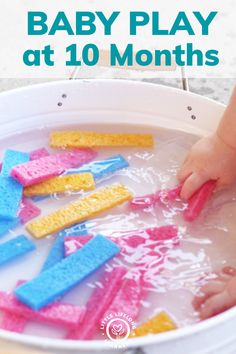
117,102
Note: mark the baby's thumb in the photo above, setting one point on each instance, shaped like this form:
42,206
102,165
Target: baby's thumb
191,185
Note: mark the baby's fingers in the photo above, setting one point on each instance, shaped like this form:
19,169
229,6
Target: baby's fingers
192,184
213,287
185,171
198,301
215,305
208,290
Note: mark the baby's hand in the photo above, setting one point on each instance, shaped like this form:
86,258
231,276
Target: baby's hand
218,295
209,159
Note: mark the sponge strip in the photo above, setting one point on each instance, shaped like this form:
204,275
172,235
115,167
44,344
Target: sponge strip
37,154
10,198
28,211
197,202
76,139
161,196
11,159
80,210
13,323
60,314
15,248
10,190
61,184
68,273
98,303
37,171
74,243
157,324
34,155
101,169
151,238
56,254
128,299
75,230
6,225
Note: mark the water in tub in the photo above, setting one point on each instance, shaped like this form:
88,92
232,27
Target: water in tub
206,245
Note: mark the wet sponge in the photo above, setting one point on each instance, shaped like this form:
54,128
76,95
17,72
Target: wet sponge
128,299
15,248
56,253
10,197
61,314
13,323
6,225
11,159
197,202
75,139
75,182
80,210
99,301
37,171
158,324
37,154
68,273
103,168
28,211
10,190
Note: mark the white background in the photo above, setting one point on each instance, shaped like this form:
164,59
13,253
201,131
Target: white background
14,39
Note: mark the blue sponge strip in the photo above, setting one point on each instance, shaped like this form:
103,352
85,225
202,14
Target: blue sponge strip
56,253
65,275
10,197
6,225
10,190
15,248
75,230
38,198
101,169
11,159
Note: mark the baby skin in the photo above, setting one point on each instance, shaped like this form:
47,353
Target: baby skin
214,158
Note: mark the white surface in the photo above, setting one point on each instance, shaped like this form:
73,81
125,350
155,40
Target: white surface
129,102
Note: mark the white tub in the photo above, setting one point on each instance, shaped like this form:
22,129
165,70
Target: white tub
128,103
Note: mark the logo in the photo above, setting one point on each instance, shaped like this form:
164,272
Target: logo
116,328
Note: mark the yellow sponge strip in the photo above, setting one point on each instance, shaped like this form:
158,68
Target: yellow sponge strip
80,210
160,323
75,139
76,182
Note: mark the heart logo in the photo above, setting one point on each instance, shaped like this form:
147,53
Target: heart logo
117,329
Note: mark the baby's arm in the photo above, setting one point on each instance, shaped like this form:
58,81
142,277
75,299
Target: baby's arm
227,128
213,157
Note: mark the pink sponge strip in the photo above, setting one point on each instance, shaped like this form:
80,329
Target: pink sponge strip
12,322
60,314
34,155
134,238
98,303
197,202
158,197
28,211
37,171
128,299
163,233
37,154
